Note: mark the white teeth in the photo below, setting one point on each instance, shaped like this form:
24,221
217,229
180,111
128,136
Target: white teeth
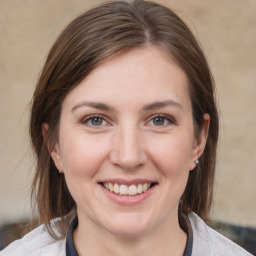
127,190
132,190
116,189
111,188
144,187
139,188
124,190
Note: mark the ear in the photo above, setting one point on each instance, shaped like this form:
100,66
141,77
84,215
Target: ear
53,150
200,142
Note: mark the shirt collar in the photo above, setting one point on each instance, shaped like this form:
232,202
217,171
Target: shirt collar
71,250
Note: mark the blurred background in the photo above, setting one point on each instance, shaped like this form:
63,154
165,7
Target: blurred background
227,32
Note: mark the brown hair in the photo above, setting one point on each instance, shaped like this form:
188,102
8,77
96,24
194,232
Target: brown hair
91,39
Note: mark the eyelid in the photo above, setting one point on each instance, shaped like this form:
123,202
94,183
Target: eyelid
169,118
86,119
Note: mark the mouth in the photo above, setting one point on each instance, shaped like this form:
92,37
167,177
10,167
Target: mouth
128,190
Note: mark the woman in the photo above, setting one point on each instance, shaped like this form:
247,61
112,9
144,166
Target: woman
124,126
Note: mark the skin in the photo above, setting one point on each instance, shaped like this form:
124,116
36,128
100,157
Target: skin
128,141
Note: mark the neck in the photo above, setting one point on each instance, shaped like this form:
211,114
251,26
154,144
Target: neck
166,238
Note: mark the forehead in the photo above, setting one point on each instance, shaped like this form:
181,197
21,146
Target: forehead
140,75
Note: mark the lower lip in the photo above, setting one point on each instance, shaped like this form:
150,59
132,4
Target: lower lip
128,200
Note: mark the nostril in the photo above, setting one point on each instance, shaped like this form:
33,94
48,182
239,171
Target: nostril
128,152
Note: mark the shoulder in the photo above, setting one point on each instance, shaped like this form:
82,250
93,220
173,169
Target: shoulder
35,243
207,241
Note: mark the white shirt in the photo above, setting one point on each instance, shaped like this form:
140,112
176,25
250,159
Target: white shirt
206,242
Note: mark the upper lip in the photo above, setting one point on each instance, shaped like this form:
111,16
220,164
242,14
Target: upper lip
127,182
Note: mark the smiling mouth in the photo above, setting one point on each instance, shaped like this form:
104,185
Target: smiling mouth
125,190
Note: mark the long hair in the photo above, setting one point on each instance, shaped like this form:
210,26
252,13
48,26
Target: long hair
92,38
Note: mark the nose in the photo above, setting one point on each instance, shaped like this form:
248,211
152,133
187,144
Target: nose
128,151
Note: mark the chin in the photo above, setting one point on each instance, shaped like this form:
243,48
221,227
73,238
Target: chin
128,226
128,231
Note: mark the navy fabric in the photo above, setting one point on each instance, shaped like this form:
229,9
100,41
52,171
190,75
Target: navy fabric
71,250
189,231
70,247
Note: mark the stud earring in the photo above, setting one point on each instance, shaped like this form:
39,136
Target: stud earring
60,171
196,162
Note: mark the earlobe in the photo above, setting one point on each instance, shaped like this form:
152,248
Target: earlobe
53,150
202,139
55,154
200,142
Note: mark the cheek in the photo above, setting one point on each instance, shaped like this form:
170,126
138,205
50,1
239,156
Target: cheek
82,156
172,155
82,159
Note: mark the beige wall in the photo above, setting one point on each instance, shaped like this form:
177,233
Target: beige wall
227,31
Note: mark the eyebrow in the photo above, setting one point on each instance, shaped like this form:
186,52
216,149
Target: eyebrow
97,105
161,104
147,107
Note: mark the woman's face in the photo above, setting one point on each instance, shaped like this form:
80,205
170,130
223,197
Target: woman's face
126,143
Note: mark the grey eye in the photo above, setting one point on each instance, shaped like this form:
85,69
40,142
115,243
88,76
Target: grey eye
159,121
96,121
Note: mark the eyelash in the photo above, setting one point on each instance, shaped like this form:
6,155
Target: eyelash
87,119
167,118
